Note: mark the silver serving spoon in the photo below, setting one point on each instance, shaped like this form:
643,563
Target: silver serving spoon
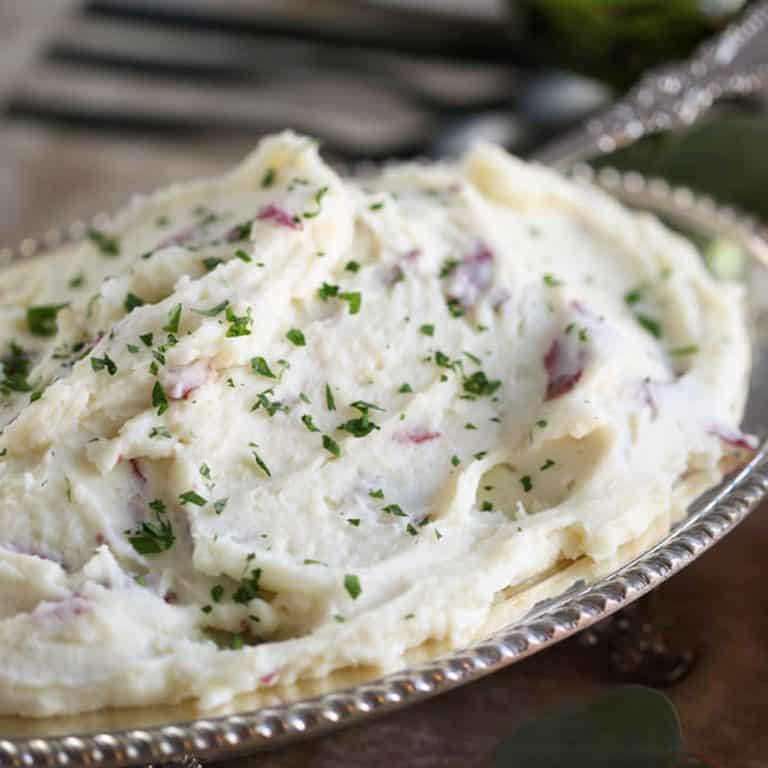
673,96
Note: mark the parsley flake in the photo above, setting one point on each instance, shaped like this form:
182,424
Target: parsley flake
354,299
405,387
546,465
691,349
192,497
455,460
108,245
248,588
308,423
354,521
146,339
319,195
159,431
239,325
479,384
352,585
269,177
378,493
174,316
329,401
296,337
261,366
104,363
394,509
211,263
331,446
259,461
327,291
427,329
159,399
41,320
649,324
213,311
352,266
153,538
218,506
551,281
526,482
132,301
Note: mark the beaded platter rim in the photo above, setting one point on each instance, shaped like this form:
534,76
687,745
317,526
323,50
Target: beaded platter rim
548,622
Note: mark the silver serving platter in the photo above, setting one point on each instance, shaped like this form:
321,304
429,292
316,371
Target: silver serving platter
276,717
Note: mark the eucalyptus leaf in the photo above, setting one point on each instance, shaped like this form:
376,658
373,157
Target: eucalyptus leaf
630,727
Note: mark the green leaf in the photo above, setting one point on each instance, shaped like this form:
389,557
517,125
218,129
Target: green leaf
331,446
213,311
132,301
261,366
295,336
174,316
631,727
41,319
159,399
108,245
352,585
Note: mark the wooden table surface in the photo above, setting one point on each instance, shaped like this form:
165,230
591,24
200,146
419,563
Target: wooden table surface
717,606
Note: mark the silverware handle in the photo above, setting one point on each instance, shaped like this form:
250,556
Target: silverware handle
734,62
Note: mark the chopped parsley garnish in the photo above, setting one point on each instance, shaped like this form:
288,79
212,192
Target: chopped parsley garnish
104,363
310,561
354,521
526,482
331,446
159,431
411,529
634,295
352,266
239,325
352,585
487,506
327,291
546,465
159,399
304,398
308,423
259,461
213,311
152,538
427,329
205,473
405,387
691,349
237,641
650,324
68,486
295,336
77,281
41,320
261,366
269,177
480,455
132,348
174,316
455,460
218,506
479,384
146,339
583,334
15,369
162,221
240,232
552,281
394,509
329,401
378,493
35,396
243,256
541,423
469,425
211,263
448,266
206,608
132,301
376,206
108,245
192,497
217,592
354,299
443,360
319,195
362,425
248,588
339,618
455,307
270,406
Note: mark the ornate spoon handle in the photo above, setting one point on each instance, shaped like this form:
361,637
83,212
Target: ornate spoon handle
735,62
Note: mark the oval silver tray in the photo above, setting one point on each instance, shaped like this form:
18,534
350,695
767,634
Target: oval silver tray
264,721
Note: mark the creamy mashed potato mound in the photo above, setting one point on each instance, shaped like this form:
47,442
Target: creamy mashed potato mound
264,426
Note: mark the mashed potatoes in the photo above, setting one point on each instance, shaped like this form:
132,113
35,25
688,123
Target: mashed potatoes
268,425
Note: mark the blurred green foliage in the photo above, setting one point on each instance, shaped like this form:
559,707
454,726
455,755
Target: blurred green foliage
725,156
